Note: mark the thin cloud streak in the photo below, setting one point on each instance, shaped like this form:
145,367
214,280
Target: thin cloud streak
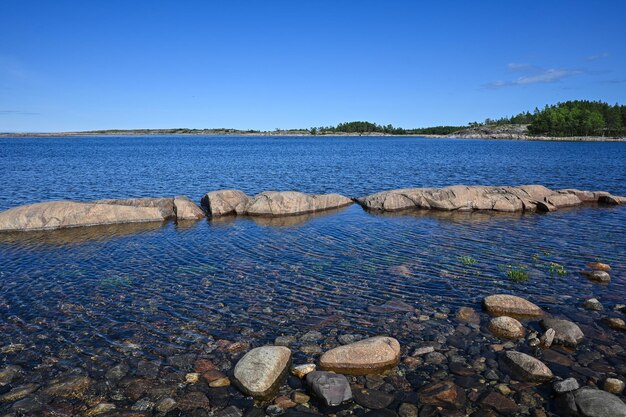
534,75
17,113
597,57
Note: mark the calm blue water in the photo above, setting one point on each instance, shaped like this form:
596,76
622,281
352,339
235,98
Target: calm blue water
87,299
38,169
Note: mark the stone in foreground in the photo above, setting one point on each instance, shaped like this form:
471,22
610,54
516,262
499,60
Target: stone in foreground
526,367
368,356
590,402
260,371
510,305
506,327
566,332
333,389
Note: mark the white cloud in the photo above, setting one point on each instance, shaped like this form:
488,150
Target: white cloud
534,75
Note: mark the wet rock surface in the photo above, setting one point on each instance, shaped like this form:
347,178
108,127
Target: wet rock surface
363,357
510,305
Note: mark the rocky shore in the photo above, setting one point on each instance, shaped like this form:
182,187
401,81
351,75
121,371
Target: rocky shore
276,204
513,358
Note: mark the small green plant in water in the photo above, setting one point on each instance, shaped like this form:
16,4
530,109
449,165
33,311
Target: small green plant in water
536,258
467,260
517,273
557,269
115,281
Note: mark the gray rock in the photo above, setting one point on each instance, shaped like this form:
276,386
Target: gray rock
346,339
285,340
567,385
230,411
566,332
407,410
547,338
525,367
117,372
593,304
260,371
435,358
589,402
333,389
8,374
311,337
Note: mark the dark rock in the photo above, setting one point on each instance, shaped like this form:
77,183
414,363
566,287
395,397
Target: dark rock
148,369
116,373
391,306
193,400
183,362
442,394
380,413
589,402
372,399
500,403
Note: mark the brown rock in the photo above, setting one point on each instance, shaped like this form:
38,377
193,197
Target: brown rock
442,394
193,400
277,203
71,387
615,323
63,214
506,327
599,266
468,314
510,305
368,356
500,403
212,375
203,365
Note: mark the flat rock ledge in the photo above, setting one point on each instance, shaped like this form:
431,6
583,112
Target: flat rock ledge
63,214
260,371
525,198
270,203
368,356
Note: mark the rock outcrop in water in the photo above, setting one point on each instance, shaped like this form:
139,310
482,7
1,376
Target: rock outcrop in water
54,215
270,203
525,198
275,204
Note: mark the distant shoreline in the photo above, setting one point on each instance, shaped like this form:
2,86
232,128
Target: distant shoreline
461,135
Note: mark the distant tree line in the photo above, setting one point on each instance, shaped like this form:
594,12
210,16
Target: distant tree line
369,128
571,118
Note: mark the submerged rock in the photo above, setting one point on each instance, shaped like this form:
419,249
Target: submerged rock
593,304
260,371
598,276
599,266
506,327
615,323
566,332
368,356
510,305
333,389
526,367
372,399
442,394
614,385
567,385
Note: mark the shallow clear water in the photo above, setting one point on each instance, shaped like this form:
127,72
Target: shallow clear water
92,297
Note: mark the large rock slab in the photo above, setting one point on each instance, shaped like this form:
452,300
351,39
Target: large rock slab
260,371
225,202
526,367
492,198
566,332
332,389
283,203
63,214
164,204
510,305
368,356
186,209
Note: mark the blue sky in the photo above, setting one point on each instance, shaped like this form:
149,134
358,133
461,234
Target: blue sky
78,65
